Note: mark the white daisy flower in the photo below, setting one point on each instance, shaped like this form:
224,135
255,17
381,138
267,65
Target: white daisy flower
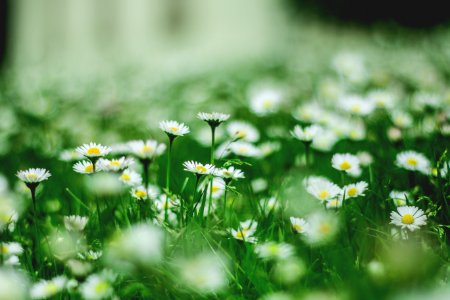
119,149
229,173
400,198
365,158
413,161
130,177
275,251
239,130
115,164
325,141
269,204
409,217
334,203
401,119
299,225
173,128
321,188
350,66
85,167
346,162
33,175
355,189
248,225
148,149
423,100
75,223
214,119
267,148
163,202
306,134
10,249
70,155
243,235
259,185
309,112
356,105
141,193
93,150
323,227
96,287
218,188
241,148
13,285
91,255
382,99
265,101
198,168
48,288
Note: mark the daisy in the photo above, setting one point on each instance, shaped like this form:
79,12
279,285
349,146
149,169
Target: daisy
114,165
243,235
355,189
130,177
401,119
346,162
96,287
85,167
275,251
75,223
334,203
321,188
142,193
33,176
163,202
173,128
265,101
267,148
350,66
400,198
248,225
148,149
93,150
218,187
413,161
13,285
325,141
48,288
239,130
10,249
323,227
229,173
308,112
357,105
382,99
70,155
198,168
214,119
269,205
299,225
365,158
306,134
241,148
409,217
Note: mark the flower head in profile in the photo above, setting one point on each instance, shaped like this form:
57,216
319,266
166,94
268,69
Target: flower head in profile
355,189
334,203
321,188
148,149
142,193
400,198
244,131
93,150
48,288
409,217
85,167
413,161
245,231
346,162
97,286
198,168
229,173
306,134
274,251
115,164
33,176
173,128
130,177
75,223
299,225
265,101
214,119
357,105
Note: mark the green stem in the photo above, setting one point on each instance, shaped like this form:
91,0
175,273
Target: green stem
168,164
213,133
307,154
225,202
145,165
193,204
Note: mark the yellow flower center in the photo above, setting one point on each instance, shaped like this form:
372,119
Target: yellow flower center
89,168
333,203
411,161
201,169
353,191
297,227
140,194
240,234
125,177
174,128
408,219
323,194
114,163
4,249
274,249
243,150
345,165
215,188
241,134
147,149
356,108
93,151
101,287
32,176
267,104
51,288
325,228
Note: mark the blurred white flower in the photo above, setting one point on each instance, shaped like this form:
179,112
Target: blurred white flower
96,286
265,101
13,285
299,225
148,149
48,288
241,148
306,134
323,227
356,105
240,130
346,162
321,188
276,251
399,197
413,161
131,178
75,223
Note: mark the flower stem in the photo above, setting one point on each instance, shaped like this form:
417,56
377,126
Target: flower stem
145,165
213,133
168,164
